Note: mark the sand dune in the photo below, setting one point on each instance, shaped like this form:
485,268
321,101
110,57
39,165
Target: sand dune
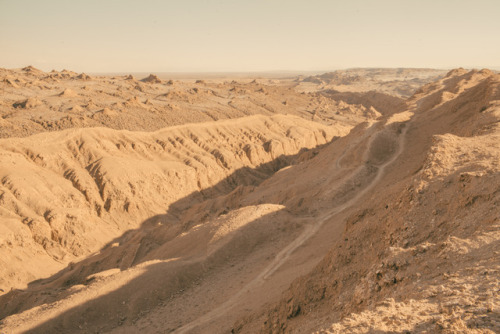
356,212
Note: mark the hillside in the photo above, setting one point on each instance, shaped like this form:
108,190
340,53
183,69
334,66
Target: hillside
66,194
351,212
421,253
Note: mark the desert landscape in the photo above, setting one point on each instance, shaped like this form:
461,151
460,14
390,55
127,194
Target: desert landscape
364,200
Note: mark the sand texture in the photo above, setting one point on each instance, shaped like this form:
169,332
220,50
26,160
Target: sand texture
350,202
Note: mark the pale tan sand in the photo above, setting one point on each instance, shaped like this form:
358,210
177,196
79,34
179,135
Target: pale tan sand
34,101
278,211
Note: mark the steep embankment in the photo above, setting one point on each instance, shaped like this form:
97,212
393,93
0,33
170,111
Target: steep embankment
420,253
216,249
233,253
65,195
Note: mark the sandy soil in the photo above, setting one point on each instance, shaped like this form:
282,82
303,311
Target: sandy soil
335,212
420,254
34,101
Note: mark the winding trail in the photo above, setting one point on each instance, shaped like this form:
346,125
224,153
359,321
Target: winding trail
309,231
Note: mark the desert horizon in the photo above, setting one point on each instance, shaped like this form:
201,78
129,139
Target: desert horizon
273,167
128,202
273,74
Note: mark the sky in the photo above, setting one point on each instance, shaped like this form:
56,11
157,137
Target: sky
251,35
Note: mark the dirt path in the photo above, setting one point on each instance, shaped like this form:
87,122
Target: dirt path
285,253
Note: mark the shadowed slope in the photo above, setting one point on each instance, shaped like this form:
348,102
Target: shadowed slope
399,216
65,195
400,247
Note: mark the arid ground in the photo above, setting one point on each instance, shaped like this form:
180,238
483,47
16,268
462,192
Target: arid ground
356,201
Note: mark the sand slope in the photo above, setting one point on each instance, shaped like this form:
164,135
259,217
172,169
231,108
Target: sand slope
234,227
421,254
65,195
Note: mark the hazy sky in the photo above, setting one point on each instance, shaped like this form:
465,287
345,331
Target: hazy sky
250,35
